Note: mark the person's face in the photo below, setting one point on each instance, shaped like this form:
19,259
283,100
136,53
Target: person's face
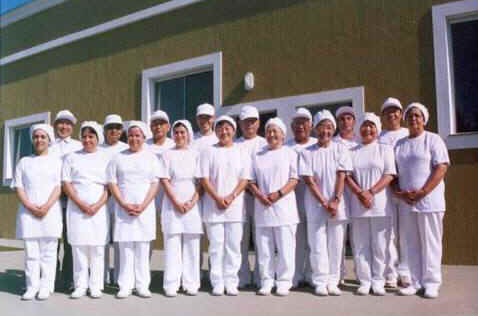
205,123
135,139
415,121
89,140
63,128
160,128
274,136
40,141
225,133
249,127
301,127
180,136
368,131
346,122
113,133
391,118
325,131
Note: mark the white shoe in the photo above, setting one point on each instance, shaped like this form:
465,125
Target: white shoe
95,293
218,290
407,291
29,294
391,284
321,290
192,292
170,292
123,293
78,292
282,291
144,293
405,281
431,293
363,290
43,294
265,291
232,291
378,291
334,290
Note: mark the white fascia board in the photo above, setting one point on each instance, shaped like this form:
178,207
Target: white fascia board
27,10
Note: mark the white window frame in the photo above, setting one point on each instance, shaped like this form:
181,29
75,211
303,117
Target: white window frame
8,141
211,62
443,16
287,106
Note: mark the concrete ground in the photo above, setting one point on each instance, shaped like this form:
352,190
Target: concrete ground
459,296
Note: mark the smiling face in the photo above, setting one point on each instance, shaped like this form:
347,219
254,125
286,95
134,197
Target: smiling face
301,127
415,121
113,133
249,127
135,139
225,133
40,141
160,129
63,128
391,118
205,123
180,136
325,131
346,123
368,131
274,136
89,139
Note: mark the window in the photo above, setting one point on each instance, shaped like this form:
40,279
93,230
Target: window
17,142
455,35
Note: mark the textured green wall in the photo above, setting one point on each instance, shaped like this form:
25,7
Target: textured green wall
292,47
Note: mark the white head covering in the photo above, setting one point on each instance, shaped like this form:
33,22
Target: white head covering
159,115
47,128
371,117
345,109
324,115
205,109
303,113
188,128
65,115
419,106
113,119
226,118
96,127
391,102
277,122
141,125
248,111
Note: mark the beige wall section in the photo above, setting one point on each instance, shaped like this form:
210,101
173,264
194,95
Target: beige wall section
292,47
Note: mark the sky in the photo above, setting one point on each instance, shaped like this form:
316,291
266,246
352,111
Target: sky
7,5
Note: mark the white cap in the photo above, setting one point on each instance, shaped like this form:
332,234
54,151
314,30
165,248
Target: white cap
371,117
345,110
302,112
391,102
159,115
324,115
205,109
226,118
248,111
277,122
421,107
47,128
65,115
96,127
113,119
142,126
188,128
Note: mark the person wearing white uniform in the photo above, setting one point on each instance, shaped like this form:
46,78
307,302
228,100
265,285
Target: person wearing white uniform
160,126
274,173
113,128
373,170
84,182
301,128
180,217
39,219
323,167
422,162
250,143
62,146
132,177
391,116
224,173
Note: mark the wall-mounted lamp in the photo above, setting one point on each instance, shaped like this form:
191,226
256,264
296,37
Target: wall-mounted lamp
249,81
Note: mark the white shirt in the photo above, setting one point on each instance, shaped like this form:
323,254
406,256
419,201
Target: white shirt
416,158
323,163
271,170
159,149
87,174
370,162
113,150
348,143
38,176
392,137
64,146
224,167
202,142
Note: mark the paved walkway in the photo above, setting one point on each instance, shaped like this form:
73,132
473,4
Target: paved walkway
459,296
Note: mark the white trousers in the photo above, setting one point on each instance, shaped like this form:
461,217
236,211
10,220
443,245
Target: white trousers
40,263
112,278
182,261
224,253
303,271
134,268
326,241
424,235
245,270
370,235
282,239
391,256
88,267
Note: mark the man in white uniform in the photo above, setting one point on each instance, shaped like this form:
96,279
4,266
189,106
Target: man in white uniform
250,143
301,128
160,127
391,117
62,146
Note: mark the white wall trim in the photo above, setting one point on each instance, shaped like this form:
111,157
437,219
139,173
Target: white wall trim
27,10
98,29
8,141
185,67
443,15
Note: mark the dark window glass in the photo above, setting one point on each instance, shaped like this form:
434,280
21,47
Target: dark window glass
263,117
22,142
333,107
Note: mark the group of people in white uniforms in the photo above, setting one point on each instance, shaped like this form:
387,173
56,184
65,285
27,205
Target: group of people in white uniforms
345,180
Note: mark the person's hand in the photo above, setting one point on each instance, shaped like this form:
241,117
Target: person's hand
133,209
366,198
273,197
228,199
263,199
221,204
416,195
332,207
189,205
35,210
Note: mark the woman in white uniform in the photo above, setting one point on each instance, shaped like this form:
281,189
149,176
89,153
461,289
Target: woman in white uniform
84,182
132,177
180,217
373,170
324,166
224,173
39,218
274,173
422,162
